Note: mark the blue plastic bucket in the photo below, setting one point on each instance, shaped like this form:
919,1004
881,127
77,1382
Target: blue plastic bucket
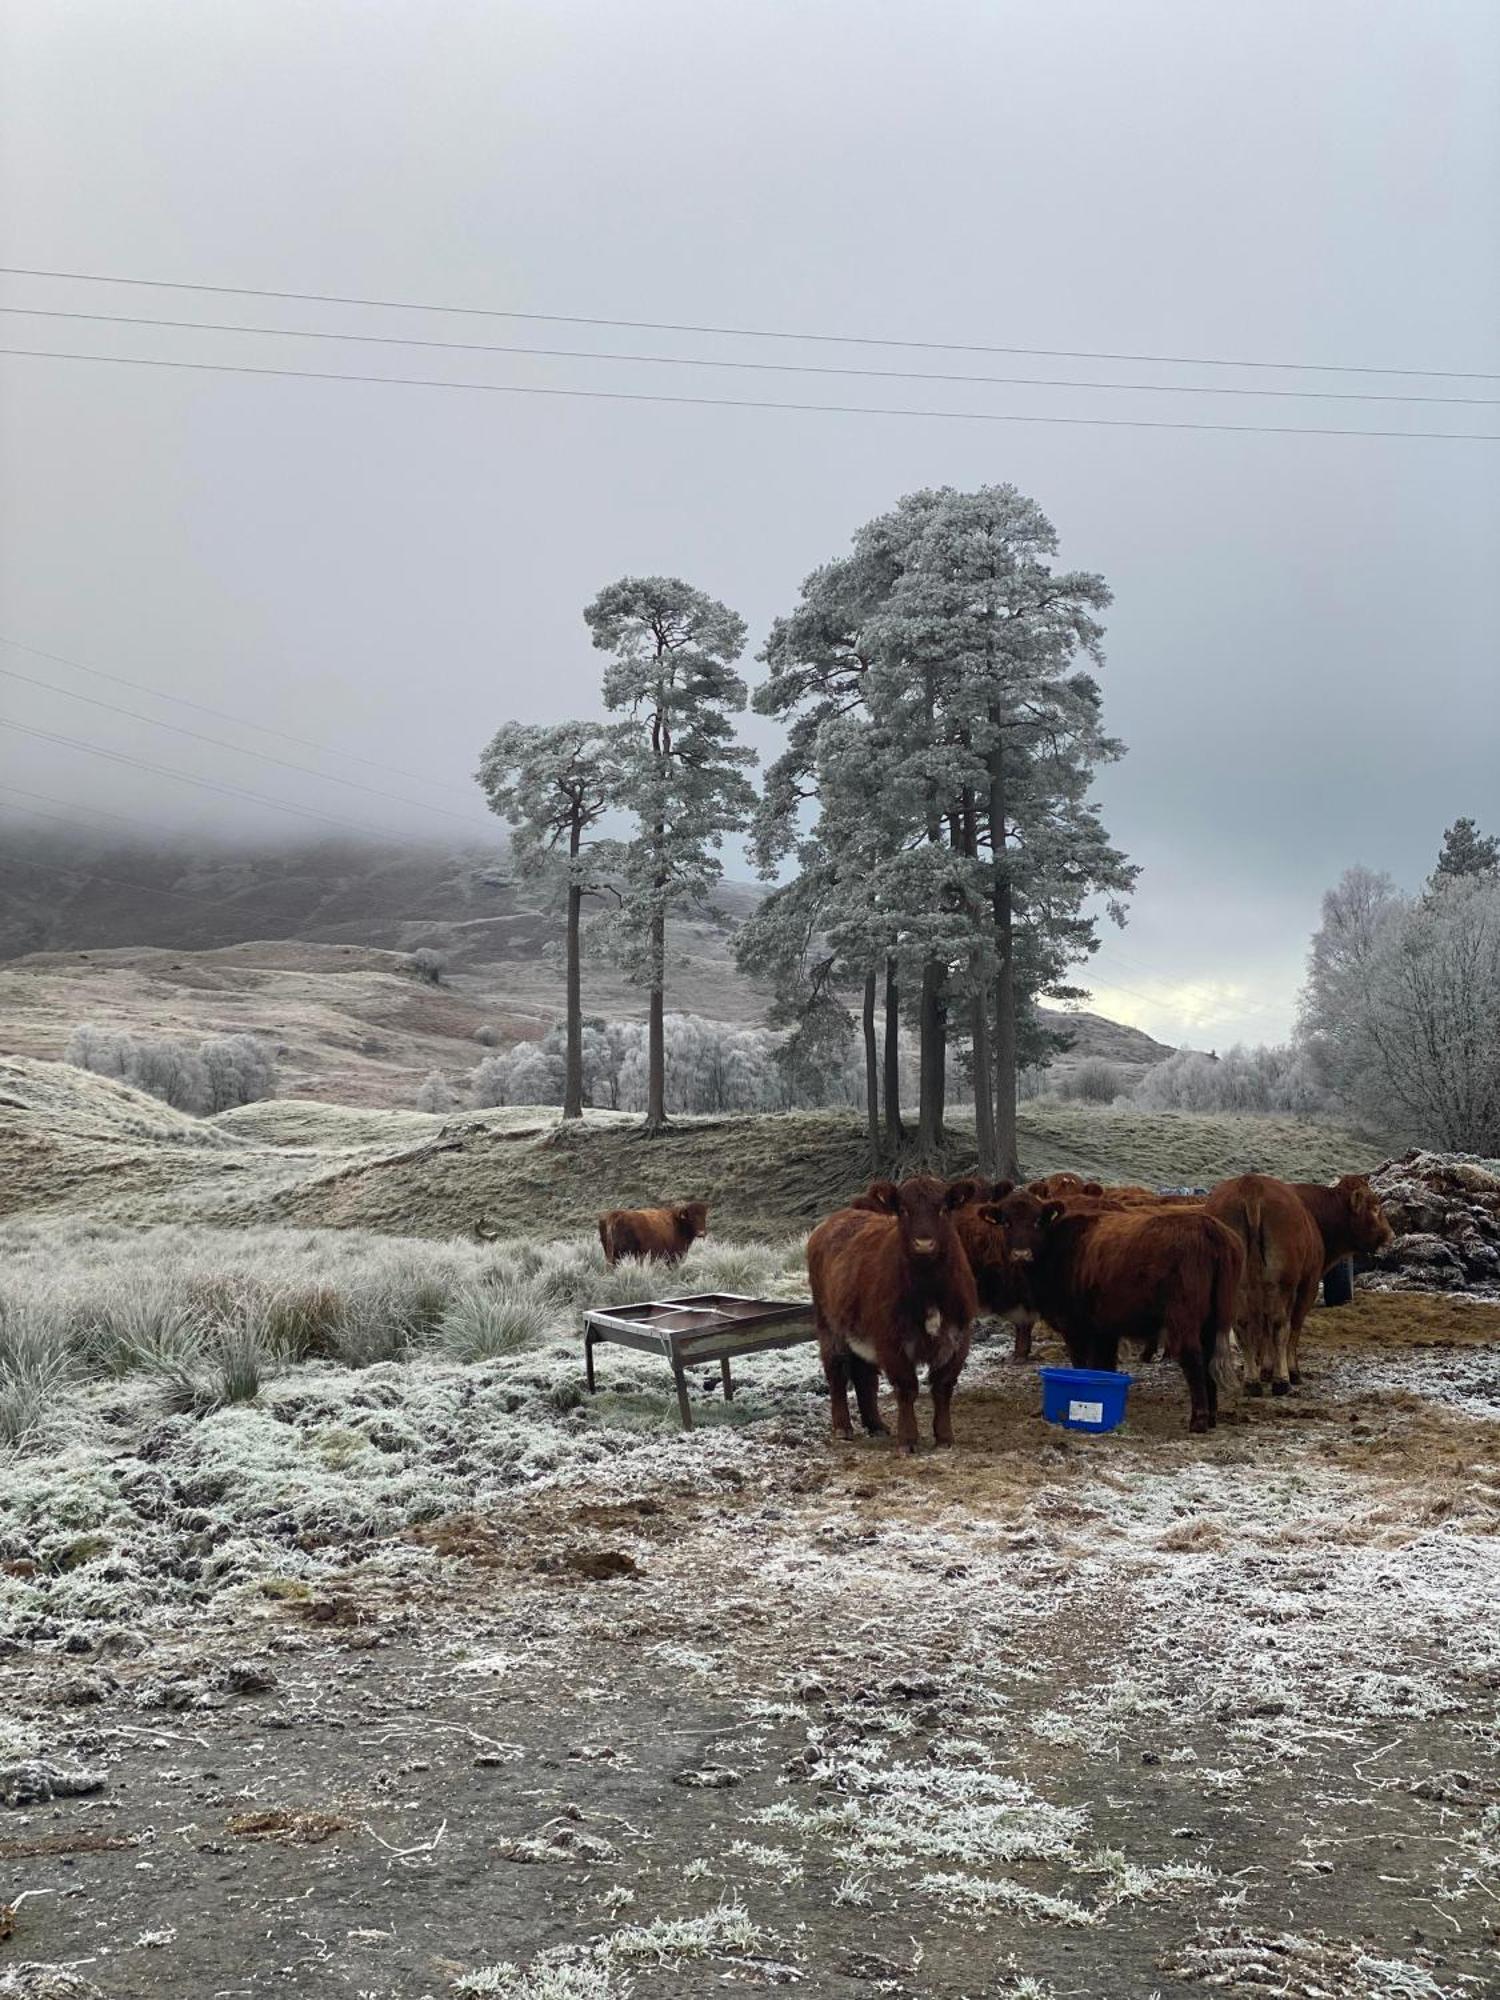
1084,1399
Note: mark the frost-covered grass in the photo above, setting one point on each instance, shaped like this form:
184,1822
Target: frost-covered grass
211,1315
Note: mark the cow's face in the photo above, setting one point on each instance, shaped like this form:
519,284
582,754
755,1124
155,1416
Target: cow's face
692,1219
1367,1224
923,1205
1025,1221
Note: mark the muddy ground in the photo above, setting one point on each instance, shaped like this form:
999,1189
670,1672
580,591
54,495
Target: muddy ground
1048,1715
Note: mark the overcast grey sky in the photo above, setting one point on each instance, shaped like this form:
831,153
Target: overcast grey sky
1301,651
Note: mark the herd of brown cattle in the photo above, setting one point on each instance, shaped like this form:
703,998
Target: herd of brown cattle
901,1272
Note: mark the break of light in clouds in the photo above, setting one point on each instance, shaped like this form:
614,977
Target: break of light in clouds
1300,648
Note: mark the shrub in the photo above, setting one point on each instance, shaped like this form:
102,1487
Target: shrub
428,964
479,1324
1093,1082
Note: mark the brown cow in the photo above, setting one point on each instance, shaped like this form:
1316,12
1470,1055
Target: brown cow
1283,1264
1062,1187
1102,1275
1000,1284
892,1293
1351,1222
664,1235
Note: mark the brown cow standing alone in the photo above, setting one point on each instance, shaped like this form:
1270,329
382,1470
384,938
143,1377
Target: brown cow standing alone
892,1293
1283,1264
1101,1276
664,1235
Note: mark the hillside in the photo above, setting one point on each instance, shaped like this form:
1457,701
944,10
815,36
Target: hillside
79,1144
306,945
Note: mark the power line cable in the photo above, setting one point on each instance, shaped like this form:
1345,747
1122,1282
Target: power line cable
219,743
748,403
183,778
70,811
748,332
754,367
221,715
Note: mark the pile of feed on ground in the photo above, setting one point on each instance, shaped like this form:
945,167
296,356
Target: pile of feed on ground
349,1647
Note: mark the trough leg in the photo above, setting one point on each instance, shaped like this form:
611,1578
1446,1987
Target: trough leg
728,1379
588,1359
684,1407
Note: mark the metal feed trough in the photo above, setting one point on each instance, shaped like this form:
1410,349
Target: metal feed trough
708,1326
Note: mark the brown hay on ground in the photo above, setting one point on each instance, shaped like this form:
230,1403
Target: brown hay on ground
1407,1319
298,1829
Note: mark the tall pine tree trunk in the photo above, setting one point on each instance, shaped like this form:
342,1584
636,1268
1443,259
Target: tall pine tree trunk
934,1021
895,1131
656,1042
573,1064
1006,1140
984,1078
872,1072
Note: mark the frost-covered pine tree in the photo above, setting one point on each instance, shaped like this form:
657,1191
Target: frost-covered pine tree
672,651
943,714
1466,851
554,785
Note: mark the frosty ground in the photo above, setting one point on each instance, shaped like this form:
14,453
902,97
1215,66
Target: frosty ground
425,1676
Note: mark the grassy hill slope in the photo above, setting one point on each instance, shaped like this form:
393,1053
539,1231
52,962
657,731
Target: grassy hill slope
74,1143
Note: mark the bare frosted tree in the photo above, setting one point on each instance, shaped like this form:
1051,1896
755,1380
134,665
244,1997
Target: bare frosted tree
433,1093
1426,1041
673,650
553,786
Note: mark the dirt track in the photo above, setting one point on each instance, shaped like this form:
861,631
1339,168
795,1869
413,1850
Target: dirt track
1156,1710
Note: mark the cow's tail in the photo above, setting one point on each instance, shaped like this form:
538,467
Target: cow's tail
1219,1343
606,1243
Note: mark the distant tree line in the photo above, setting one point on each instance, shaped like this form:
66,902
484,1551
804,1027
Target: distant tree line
939,687
197,1077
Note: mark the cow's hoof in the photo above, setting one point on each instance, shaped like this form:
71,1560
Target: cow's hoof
877,1430
942,1444
1197,1423
842,1437
1255,1388
1295,1379
906,1450
1281,1388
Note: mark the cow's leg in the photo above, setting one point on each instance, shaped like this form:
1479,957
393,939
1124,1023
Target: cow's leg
836,1374
903,1379
866,1378
1105,1352
1021,1325
1191,1357
942,1382
1306,1296
1281,1340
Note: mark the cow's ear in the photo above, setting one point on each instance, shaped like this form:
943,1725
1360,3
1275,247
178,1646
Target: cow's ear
1092,1188
1000,1189
989,1213
883,1197
1051,1212
961,1193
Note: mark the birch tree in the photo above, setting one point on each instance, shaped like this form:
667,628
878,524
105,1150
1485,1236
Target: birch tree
673,650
